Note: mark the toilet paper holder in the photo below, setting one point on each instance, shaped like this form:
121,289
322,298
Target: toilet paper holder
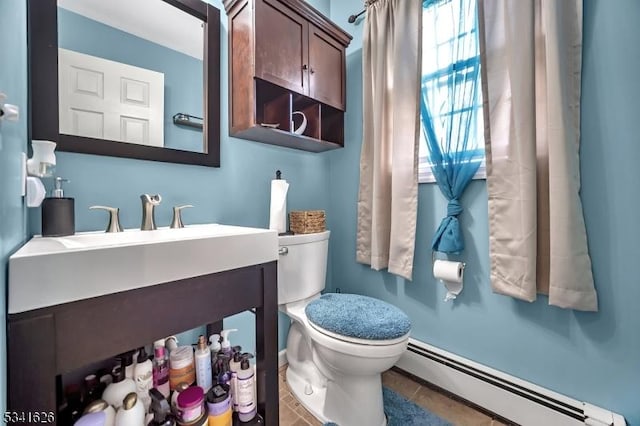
434,258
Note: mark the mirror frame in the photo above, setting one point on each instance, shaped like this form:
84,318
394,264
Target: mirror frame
42,30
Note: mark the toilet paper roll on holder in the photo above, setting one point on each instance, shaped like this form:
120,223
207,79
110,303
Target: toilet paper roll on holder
434,258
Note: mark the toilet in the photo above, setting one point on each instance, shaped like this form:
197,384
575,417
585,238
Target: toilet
338,344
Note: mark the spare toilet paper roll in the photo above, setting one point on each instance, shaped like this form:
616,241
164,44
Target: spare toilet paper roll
278,209
451,274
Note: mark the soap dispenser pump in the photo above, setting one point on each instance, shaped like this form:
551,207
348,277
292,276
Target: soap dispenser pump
226,343
58,213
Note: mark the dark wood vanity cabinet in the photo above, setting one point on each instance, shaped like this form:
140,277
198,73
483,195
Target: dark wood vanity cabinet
46,343
286,57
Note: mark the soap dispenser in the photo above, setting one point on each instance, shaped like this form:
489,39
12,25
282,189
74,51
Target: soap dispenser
115,393
58,213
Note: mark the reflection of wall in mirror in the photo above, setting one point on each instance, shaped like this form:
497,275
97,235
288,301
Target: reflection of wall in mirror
183,73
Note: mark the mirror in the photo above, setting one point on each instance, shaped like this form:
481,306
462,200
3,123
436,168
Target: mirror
129,79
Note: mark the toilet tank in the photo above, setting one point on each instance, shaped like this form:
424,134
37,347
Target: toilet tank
302,266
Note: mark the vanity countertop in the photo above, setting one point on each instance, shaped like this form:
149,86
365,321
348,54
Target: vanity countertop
55,270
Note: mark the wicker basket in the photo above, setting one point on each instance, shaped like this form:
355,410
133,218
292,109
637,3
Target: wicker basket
307,221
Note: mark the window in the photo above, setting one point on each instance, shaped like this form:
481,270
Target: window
451,65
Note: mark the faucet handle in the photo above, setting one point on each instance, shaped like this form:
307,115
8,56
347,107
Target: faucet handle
176,222
114,218
152,199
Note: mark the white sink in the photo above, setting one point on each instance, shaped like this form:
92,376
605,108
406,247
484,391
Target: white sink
50,271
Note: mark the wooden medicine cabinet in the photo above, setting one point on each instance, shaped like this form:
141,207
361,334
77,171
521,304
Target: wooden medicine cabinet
286,58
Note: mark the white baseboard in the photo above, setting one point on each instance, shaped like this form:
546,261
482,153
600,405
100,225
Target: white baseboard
514,399
282,358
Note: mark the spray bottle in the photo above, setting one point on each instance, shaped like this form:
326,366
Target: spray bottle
160,409
246,390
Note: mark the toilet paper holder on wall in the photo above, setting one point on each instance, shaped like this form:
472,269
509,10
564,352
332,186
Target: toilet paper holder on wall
434,258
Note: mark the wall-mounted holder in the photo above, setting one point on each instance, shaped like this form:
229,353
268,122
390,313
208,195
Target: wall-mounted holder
8,112
434,258
40,165
450,273
183,119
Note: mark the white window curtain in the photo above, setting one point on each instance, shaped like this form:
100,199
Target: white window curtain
531,56
388,196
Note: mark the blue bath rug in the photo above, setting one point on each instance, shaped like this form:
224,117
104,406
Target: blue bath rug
402,412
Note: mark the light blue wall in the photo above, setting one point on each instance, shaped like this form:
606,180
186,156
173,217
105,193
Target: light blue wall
324,6
13,141
236,193
591,357
182,73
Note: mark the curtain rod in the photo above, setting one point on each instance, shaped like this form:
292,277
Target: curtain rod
367,3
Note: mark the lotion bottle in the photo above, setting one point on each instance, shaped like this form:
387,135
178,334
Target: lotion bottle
226,343
143,377
101,406
246,390
234,366
115,393
129,364
131,412
204,375
214,345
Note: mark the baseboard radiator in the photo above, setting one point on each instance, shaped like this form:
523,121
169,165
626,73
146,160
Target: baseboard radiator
517,400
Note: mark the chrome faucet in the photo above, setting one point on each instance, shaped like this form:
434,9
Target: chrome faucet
148,204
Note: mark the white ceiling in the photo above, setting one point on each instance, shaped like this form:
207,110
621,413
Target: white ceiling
153,20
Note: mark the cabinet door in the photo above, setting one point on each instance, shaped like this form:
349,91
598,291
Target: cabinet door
281,41
327,73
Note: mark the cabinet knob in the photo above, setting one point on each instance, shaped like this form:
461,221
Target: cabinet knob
304,67
312,70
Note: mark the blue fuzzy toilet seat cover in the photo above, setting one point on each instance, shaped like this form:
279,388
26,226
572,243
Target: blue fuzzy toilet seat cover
358,316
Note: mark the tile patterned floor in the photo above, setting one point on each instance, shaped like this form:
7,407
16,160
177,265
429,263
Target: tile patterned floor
459,414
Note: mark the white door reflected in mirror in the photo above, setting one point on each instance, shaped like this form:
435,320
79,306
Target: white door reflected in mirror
126,68
109,100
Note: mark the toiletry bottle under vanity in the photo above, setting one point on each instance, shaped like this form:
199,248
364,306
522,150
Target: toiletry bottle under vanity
181,366
131,412
246,390
101,406
219,406
129,364
58,213
161,371
234,365
226,343
143,377
204,374
115,393
191,406
160,410
214,346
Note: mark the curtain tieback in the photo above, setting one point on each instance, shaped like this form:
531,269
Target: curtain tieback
454,208
448,237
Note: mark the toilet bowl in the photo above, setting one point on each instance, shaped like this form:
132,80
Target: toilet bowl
338,344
